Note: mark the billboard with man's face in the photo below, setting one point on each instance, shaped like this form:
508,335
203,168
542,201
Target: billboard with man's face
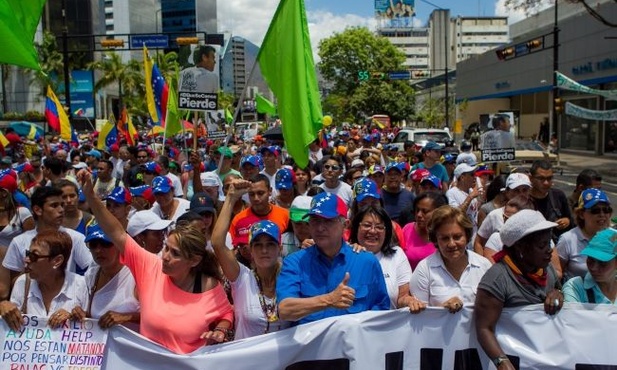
395,13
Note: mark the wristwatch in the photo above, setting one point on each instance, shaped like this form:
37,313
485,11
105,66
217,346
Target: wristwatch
499,360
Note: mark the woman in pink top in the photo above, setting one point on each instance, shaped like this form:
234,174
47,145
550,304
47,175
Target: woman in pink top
183,304
417,244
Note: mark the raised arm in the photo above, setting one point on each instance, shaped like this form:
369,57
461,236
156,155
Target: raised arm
109,224
225,256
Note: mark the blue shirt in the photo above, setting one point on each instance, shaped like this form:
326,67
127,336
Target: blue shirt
395,202
309,273
575,290
438,170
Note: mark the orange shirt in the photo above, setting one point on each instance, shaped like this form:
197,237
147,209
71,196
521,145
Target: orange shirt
242,222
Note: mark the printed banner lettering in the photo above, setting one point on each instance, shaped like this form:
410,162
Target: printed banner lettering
594,115
566,83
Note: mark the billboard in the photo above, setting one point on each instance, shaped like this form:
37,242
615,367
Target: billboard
395,13
199,81
82,93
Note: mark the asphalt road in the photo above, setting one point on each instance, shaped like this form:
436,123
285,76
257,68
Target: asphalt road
566,181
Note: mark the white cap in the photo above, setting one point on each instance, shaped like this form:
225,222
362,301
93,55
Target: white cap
357,162
210,179
468,158
516,179
521,224
145,220
80,166
463,168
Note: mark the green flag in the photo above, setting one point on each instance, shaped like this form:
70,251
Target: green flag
286,62
173,124
19,21
264,105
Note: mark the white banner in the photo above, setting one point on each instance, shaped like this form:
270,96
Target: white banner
579,337
566,83
74,346
595,115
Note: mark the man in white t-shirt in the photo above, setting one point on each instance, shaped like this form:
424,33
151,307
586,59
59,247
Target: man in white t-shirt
48,212
464,195
332,170
201,78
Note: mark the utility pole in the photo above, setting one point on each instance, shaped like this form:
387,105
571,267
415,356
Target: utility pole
555,114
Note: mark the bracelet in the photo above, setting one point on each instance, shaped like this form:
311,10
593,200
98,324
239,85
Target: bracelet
229,333
499,360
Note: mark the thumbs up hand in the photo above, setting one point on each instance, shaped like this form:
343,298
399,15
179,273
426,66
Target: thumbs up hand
343,296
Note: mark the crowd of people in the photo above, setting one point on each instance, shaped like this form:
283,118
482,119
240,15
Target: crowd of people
230,241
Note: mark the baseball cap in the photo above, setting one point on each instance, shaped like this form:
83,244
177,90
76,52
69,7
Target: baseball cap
365,188
300,208
431,145
264,227
418,174
202,203
210,179
484,169
80,166
144,191
603,246
272,149
162,185
448,158
367,138
516,179
225,152
114,147
24,167
284,179
399,166
94,232
357,163
145,220
591,197
463,168
253,160
8,182
468,158
153,167
120,195
327,205
432,179
375,169
94,153
521,224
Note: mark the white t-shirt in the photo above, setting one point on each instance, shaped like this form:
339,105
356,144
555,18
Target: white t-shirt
569,248
80,254
117,295
118,170
492,223
182,208
14,228
456,197
250,319
494,242
396,272
343,190
73,293
198,79
432,283
178,193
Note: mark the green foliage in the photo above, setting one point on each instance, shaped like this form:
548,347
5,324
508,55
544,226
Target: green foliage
225,100
343,56
33,115
13,116
51,62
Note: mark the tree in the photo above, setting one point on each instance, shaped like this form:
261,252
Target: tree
52,64
534,6
343,56
114,70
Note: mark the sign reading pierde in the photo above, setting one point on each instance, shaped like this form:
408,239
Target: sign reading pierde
197,101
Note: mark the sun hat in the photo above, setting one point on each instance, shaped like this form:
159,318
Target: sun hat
463,168
284,179
94,232
603,246
591,197
521,224
364,188
264,227
327,205
146,220
120,195
300,208
516,179
162,185
202,203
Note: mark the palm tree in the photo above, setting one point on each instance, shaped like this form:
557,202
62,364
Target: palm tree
114,70
52,65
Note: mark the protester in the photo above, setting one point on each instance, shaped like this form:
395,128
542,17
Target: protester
332,170
495,197
599,284
449,277
522,275
167,207
112,296
285,180
303,179
148,230
307,288
372,228
183,304
47,289
586,179
74,218
254,288
395,196
300,236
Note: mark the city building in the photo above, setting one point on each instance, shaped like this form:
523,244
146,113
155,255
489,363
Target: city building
518,76
238,58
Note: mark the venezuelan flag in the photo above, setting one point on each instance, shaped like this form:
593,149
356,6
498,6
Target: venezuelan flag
108,136
56,116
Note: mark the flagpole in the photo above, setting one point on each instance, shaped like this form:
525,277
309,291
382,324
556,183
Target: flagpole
240,101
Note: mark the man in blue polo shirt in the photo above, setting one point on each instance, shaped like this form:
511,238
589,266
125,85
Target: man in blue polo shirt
329,279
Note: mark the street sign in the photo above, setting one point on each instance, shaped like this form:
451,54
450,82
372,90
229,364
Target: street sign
151,41
400,75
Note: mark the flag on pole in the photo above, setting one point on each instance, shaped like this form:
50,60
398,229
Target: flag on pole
173,123
3,140
19,22
131,131
286,62
264,105
79,112
108,136
229,117
157,91
56,116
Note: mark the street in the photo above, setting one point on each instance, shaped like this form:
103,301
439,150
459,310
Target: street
567,182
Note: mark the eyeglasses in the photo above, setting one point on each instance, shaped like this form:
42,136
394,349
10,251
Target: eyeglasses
598,210
99,244
365,226
331,167
33,256
544,179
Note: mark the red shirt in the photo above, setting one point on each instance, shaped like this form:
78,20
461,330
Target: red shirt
242,222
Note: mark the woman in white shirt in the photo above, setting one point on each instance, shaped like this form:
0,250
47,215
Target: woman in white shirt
449,277
47,289
111,287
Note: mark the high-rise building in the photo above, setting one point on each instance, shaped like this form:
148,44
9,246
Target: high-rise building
411,41
188,15
238,60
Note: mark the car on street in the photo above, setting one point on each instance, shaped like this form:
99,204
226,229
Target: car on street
420,136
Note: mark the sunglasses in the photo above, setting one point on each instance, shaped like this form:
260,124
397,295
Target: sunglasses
598,210
331,167
33,256
97,243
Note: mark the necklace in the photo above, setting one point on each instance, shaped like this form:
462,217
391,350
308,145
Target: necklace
270,310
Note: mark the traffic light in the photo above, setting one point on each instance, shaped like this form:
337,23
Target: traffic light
558,104
187,40
503,54
112,43
419,74
534,44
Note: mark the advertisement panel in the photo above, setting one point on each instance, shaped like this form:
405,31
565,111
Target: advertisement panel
82,93
395,13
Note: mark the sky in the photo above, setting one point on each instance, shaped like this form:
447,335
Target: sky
250,18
